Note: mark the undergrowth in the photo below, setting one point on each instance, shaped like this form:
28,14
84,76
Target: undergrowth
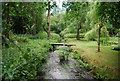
24,59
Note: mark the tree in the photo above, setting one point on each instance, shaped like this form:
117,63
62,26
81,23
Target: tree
48,20
58,23
77,12
23,17
103,12
49,5
6,19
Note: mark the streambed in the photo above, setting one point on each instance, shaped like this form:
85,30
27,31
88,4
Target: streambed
54,69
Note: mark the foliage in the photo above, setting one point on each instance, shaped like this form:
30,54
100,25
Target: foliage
26,64
56,37
104,40
75,13
19,17
92,34
20,38
24,52
117,48
82,35
80,59
101,61
70,35
84,64
40,35
57,23
75,55
103,12
118,33
67,30
63,54
43,35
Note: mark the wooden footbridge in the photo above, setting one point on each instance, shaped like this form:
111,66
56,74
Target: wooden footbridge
61,44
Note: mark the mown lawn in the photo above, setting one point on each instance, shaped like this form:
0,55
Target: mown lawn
104,62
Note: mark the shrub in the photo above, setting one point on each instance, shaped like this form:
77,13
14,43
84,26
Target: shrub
104,41
25,64
75,55
20,38
73,35
118,34
40,35
104,32
63,54
82,35
56,37
117,48
93,33
70,35
68,30
43,35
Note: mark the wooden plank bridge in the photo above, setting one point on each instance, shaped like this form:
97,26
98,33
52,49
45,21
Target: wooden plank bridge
61,44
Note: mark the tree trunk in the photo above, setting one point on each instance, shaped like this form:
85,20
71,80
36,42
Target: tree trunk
100,26
99,40
8,22
33,21
48,22
78,32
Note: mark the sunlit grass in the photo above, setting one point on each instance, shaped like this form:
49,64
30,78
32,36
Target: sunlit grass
106,58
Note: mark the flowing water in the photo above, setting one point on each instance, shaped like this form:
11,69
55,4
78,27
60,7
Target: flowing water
54,69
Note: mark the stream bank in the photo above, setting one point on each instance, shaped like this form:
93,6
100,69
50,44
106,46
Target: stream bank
54,69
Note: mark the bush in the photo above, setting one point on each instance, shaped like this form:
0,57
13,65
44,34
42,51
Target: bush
104,32
70,35
82,35
68,30
63,54
73,35
118,34
25,64
20,38
104,41
40,35
93,33
43,35
75,55
117,48
56,37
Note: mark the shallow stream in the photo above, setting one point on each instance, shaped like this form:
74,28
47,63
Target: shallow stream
54,69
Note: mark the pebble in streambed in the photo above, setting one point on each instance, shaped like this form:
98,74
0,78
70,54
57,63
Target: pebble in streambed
65,70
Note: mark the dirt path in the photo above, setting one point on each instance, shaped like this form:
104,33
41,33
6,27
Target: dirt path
65,70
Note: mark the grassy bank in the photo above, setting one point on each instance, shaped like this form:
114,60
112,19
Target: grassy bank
23,58
104,64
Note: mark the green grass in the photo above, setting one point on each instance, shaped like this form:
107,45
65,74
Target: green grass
106,58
